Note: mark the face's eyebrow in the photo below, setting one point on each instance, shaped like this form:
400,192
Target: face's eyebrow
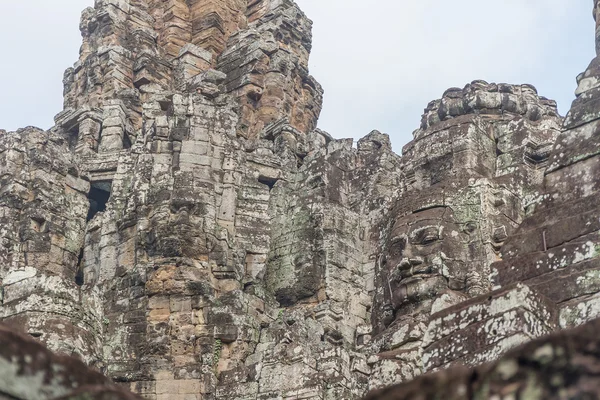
397,238
425,227
421,229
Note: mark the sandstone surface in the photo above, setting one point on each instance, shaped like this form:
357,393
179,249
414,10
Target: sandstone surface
186,228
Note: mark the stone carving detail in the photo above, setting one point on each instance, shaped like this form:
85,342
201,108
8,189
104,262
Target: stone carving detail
468,191
186,228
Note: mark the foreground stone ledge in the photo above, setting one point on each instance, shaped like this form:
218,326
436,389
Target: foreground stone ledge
30,371
560,366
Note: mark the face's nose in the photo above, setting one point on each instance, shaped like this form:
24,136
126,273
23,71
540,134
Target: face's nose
410,262
410,267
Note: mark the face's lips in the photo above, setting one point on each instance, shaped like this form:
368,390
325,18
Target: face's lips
419,272
415,289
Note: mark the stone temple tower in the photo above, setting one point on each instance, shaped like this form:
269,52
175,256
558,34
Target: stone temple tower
132,49
187,229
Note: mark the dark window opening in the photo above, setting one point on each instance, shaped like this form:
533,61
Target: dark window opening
165,105
79,277
536,158
270,182
73,137
126,141
300,160
38,224
98,196
141,82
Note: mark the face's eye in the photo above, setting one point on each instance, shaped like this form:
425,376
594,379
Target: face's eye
426,236
430,239
397,246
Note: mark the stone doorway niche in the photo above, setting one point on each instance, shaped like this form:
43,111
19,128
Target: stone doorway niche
99,195
269,182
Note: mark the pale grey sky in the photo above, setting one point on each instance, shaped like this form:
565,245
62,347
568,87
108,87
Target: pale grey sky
380,61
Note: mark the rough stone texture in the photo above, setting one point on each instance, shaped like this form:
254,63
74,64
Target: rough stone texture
29,371
561,366
225,239
559,257
137,54
43,208
186,229
469,175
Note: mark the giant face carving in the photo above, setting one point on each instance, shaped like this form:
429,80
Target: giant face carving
429,253
465,180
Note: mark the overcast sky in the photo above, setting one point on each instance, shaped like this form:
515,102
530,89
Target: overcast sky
380,61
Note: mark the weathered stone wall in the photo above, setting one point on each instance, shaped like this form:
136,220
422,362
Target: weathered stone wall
187,230
550,258
134,50
43,211
559,258
225,239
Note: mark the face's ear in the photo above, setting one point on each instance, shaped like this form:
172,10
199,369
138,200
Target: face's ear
499,235
476,284
470,227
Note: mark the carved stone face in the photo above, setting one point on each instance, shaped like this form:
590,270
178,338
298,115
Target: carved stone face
427,254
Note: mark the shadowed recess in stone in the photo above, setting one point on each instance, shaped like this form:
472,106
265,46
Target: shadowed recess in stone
98,196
